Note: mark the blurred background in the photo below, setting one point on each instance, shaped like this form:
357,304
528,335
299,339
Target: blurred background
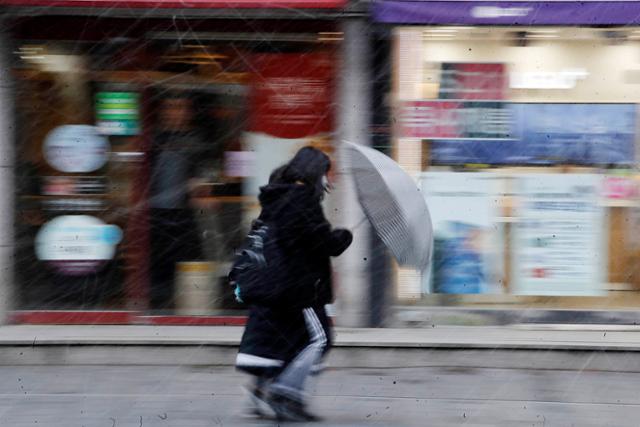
135,136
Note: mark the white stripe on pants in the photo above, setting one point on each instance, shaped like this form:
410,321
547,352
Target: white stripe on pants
290,382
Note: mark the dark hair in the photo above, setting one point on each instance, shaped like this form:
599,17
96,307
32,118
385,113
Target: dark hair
276,175
308,166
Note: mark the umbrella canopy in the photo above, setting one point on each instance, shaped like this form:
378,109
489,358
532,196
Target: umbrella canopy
393,204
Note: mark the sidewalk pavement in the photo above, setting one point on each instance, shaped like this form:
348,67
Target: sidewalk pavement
608,347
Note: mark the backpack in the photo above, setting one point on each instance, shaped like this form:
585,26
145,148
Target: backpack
250,272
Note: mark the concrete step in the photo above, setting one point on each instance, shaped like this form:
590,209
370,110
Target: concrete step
420,316
597,347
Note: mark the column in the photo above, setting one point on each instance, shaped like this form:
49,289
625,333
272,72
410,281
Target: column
7,193
354,118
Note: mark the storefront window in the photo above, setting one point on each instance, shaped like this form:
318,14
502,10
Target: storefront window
524,143
140,156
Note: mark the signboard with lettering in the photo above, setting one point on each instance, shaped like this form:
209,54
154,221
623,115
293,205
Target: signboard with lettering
74,185
559,242
118,113
621,188
292,94
473,81
458,120
291,104
503,12
77,244
76,148
549,134
470,105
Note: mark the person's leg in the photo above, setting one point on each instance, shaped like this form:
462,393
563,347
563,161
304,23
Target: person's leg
162,258
290,383
261,357
327,326
188,230
286,393
257,405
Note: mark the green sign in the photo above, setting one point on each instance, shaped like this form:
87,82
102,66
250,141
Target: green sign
118,113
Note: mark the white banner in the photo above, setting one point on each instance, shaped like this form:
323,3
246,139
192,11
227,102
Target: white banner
559,242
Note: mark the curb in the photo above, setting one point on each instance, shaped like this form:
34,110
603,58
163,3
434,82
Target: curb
417,316
340,357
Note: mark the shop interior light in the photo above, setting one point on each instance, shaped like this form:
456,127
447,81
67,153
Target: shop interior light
194,59
542,36
33,58
30,49
54,63
42,58
240,37
428,36
440,33
330,36
634,34
195,55
31,53
444,29
440,36
542,33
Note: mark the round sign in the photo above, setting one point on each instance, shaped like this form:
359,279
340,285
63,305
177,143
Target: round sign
77,244
76,148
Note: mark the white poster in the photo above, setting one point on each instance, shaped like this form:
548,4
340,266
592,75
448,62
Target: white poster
77,244
559,241
464,209
76,148
269,152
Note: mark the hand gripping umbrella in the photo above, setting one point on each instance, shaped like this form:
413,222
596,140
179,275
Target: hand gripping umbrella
393,204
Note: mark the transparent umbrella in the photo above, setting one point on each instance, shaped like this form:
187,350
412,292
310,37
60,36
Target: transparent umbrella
393,204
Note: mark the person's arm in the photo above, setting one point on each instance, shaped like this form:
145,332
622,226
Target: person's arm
329,241
312,228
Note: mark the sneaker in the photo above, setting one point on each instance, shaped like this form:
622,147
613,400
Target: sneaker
258,407
287,409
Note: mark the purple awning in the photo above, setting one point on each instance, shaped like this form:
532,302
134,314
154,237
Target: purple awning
454,12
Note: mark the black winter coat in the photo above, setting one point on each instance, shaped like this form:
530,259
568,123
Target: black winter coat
306,242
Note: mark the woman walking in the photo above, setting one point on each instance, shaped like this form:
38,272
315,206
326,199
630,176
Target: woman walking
284,342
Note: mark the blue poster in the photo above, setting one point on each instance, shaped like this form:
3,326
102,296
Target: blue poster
458,264
549,134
